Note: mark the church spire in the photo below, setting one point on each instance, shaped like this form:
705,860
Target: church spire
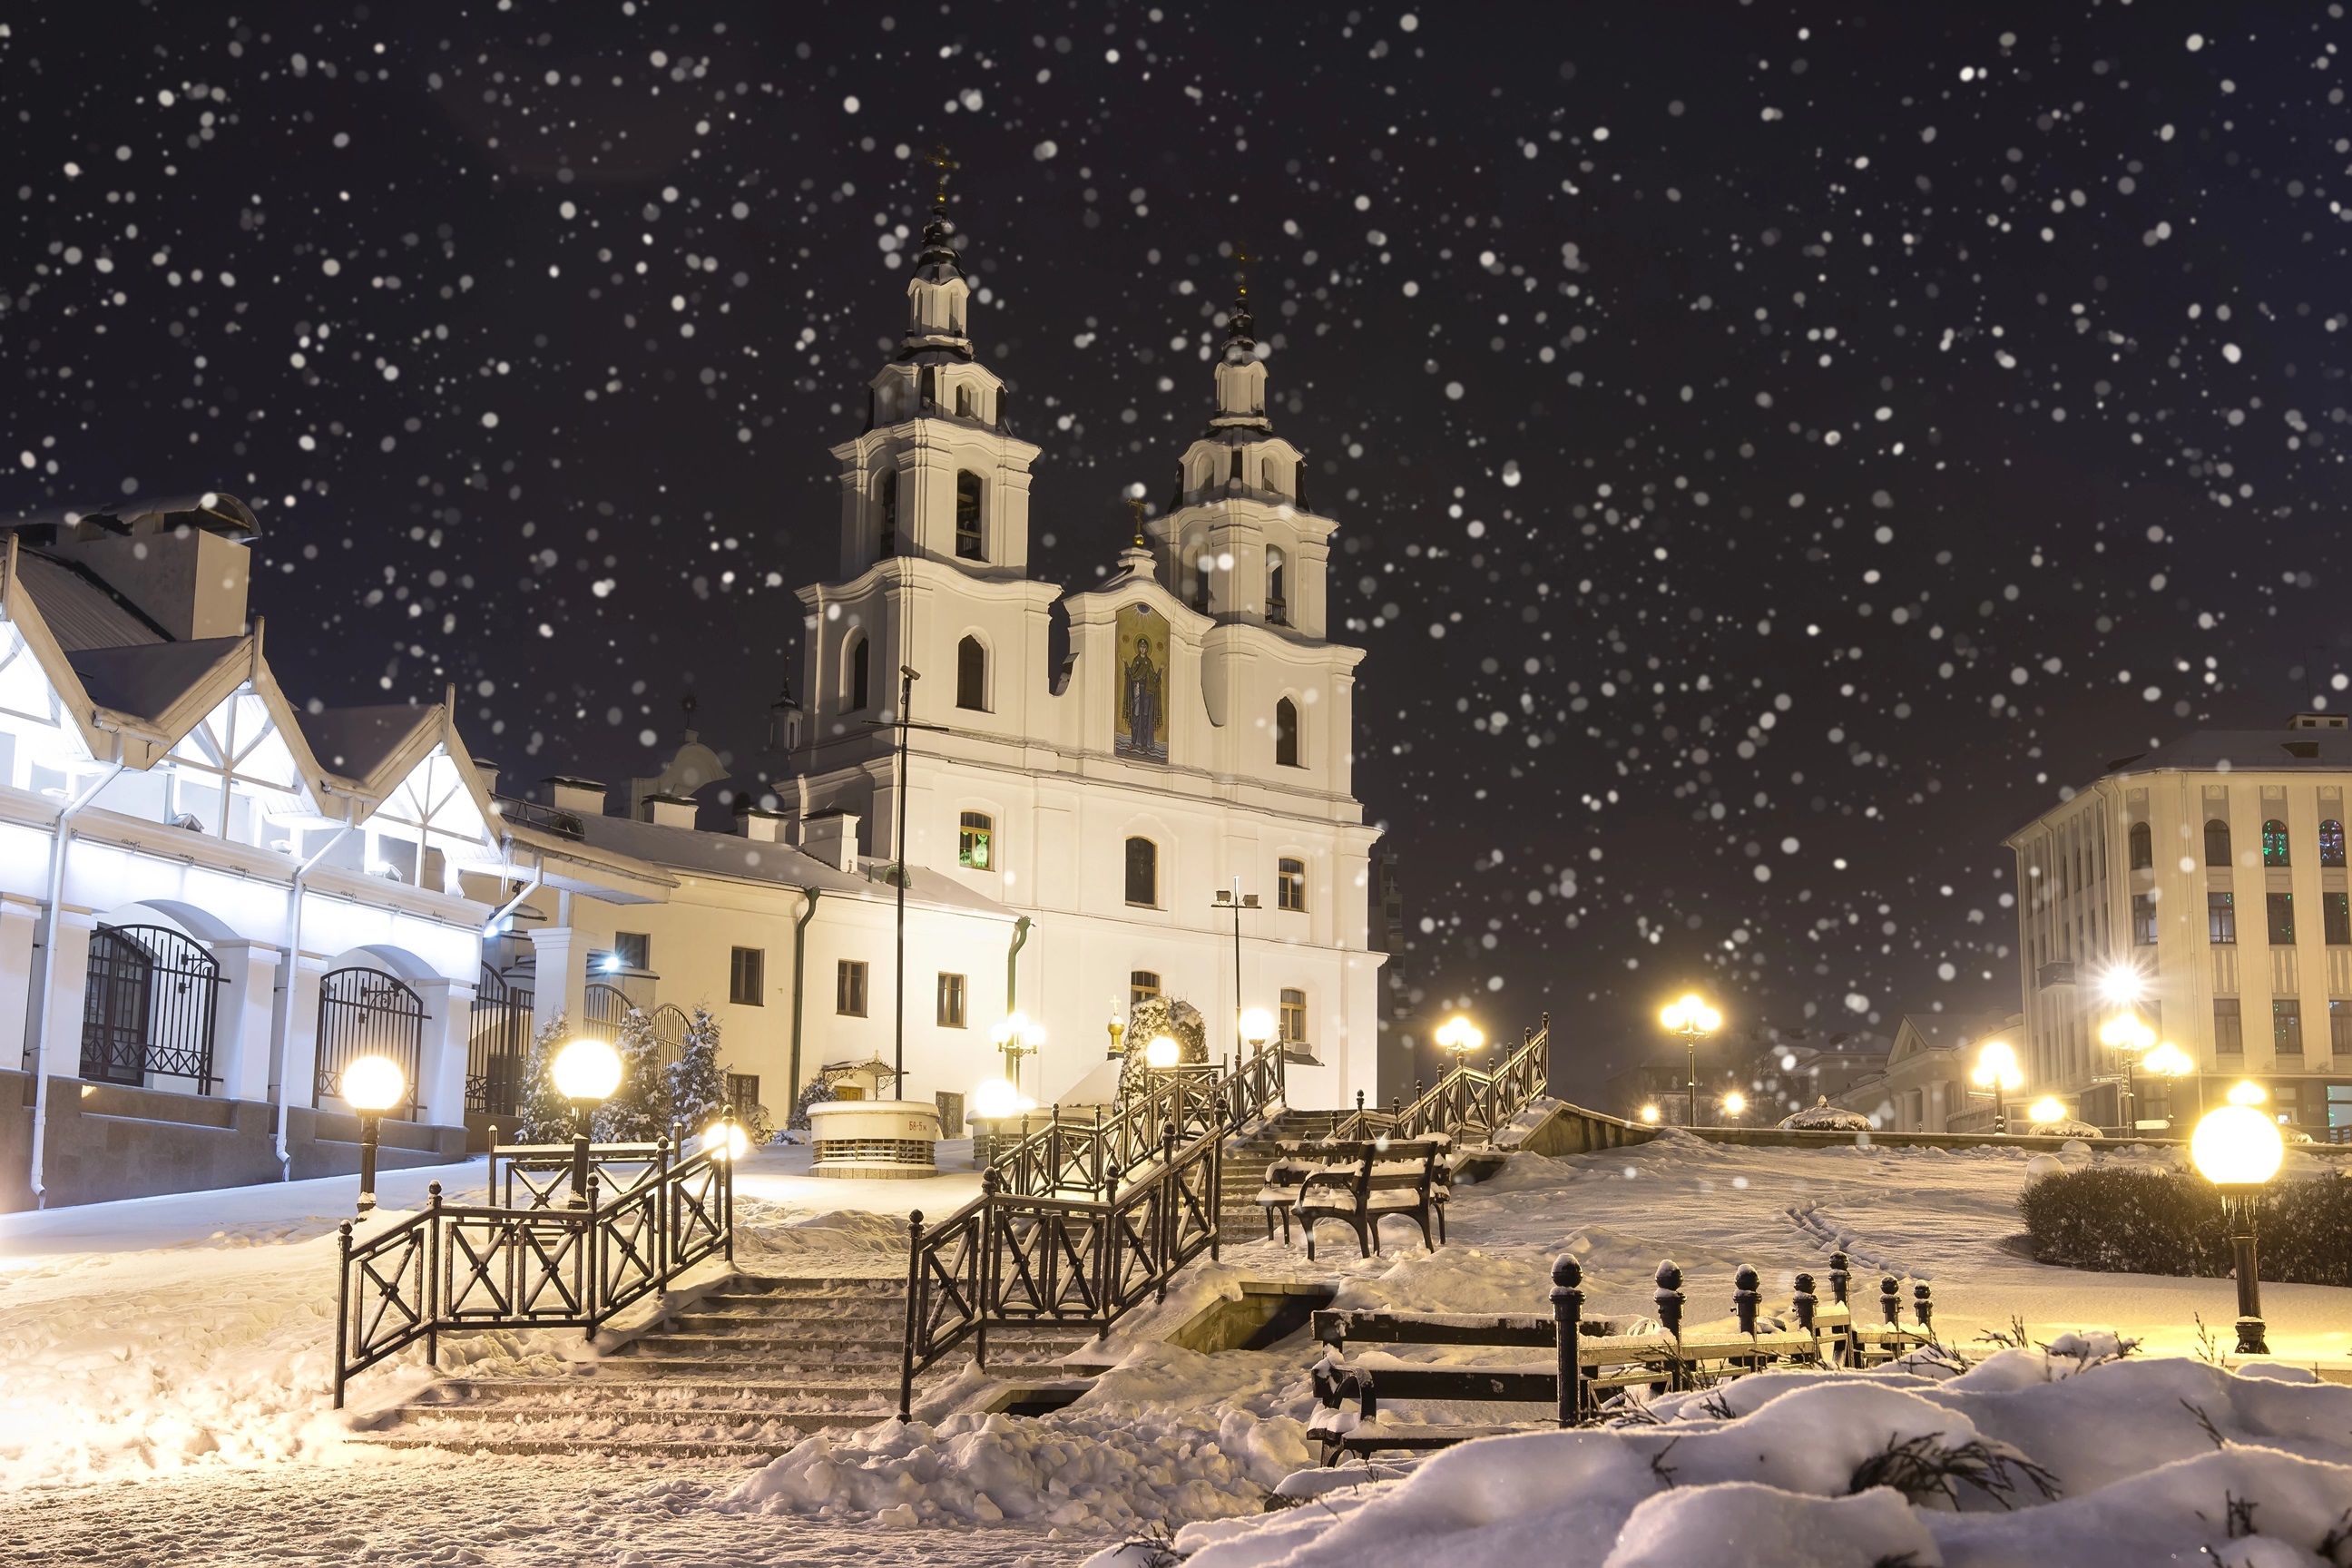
937,292
1241,373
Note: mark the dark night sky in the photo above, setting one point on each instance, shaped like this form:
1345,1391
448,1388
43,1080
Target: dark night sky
1966,405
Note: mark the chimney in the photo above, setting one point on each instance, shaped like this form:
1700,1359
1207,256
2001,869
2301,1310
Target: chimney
583,797
183,564
2317,722
489,773
760,827
670,810
831,837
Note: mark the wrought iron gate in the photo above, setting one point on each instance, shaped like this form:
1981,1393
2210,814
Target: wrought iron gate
499,1048
367,1013
148,1007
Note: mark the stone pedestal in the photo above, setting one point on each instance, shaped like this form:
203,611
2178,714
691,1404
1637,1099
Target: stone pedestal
874,1139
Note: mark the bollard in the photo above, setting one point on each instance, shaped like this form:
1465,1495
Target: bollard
1746,1298
1839,1278
1568,1317
1669,1301
1804,1303
1923,1307
1890,1300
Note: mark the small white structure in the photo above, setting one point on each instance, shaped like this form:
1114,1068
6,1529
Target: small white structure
873,1138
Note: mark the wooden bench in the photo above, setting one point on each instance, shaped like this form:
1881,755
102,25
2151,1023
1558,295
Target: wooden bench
1286,1176
1605,1360
1360,1184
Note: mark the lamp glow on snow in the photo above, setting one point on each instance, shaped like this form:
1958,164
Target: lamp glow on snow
587,1071
1997,1069
1161,1053
372,1086
1258,1028
1694,1020
2238,1148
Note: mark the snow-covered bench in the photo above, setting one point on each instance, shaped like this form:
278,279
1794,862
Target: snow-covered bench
1360,1184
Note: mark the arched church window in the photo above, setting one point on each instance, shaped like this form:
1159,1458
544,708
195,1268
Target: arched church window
1277,605
2143,848
2217,842
1142,872
1267,472
963,401
859,688
968,516
971,675
1286,734
2331,843
887,499
2274,843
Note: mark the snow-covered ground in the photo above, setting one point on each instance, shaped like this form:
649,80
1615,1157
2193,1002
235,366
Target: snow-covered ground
163,1364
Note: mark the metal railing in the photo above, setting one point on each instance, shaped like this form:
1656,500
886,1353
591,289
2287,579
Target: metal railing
1014,1258
148,1007
1069,1157
497,1046
1465,1097
453,1267
366,1013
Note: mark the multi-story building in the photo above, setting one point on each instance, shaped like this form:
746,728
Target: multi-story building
2203,886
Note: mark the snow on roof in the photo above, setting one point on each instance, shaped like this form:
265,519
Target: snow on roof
690,850
354,741
2267,750
145,679
82,611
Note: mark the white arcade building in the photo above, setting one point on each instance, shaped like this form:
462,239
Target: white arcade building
1104,761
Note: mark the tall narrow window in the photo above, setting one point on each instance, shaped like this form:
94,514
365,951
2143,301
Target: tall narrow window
1294,1017
1143,985
2281,908
2335,914
860,691
2143,848
2222,919
2340,1040
2274,843
2229,1027
1142,872
1290,884
747,977
887,503
2143,920
971,675
849,988
968,546
1286,733
975,841
1277,604
2217,842
963,401
950,1001
2286,1027
2331,843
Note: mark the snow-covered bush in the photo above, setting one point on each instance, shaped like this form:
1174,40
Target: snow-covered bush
697,1089
546,1114
638,1110
2160,1222
817,1091
1152,1017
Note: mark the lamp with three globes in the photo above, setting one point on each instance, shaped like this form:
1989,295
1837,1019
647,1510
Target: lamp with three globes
1694,1020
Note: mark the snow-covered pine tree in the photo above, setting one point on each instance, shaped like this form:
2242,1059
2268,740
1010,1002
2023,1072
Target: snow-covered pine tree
698,1089
1149,1019
639,1111
546,1115
818,1091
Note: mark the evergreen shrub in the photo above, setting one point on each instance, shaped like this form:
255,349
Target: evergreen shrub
2120,1220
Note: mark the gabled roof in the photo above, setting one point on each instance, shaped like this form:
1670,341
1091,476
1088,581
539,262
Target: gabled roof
695,852
82,610
355,742
148,680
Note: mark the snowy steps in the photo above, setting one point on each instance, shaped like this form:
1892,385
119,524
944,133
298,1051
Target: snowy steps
746,1370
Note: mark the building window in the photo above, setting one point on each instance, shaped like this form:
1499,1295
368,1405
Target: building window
1286,734
975,841
968,516
742,1094
2331,843
2280,907
1277,605
860,691
849,988
2274,843
747,977
950,1001
2217,842
1143,985
2222,919
1290,884
886,494
1294,1017
2229,1027
2340,1029
1142,872
632,951
971,675
2143,848
963,401
2335,914
2286,1027
2143,920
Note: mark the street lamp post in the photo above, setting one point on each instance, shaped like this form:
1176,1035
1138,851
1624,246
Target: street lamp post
1237,901
1258,1028
1997,1069
1017,1037
1734,1105
1694,1020
2168,1061
372,1086
2127,1038
2238,1148
587,1071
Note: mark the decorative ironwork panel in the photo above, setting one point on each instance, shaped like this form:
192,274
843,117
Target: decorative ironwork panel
498,1051
514,1266
603,1010
385,1301
367,1013
148,1008
629,1249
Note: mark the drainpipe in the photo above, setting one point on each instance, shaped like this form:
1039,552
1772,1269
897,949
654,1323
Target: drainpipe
1012,974
800,991
64,831
285,1044
538,874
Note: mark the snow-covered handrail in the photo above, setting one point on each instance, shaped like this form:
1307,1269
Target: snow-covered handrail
1465,1097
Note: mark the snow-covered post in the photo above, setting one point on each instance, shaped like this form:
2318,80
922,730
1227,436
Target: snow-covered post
1804,1304
1746,1298
1890,1300
1923,1307
906,1346
1568,1316
1669,1300
1839,1278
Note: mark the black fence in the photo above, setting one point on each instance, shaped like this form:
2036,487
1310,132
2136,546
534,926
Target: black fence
148,1008
451,1268
497,1047
367,1013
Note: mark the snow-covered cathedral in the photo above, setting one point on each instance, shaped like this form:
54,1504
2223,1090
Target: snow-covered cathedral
1104,762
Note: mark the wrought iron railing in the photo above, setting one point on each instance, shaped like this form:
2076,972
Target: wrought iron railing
541,1172
1014,1258
1069,1157
547,818
148,1007
367,1013
453,1267
1465,1097
498,1048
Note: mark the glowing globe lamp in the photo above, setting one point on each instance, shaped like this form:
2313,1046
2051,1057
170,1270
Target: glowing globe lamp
372,1086
1161,1052
2237,1148
587,1071
725,1141
995,1099
1257,1026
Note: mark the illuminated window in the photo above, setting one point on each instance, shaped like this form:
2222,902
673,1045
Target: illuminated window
2222,919
2274,843
975,838
2331,843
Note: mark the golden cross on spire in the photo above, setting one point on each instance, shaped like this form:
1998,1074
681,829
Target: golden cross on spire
938,159
1135,504
1242,259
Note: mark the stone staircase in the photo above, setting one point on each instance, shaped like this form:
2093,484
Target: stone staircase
746,1369
1247,1157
